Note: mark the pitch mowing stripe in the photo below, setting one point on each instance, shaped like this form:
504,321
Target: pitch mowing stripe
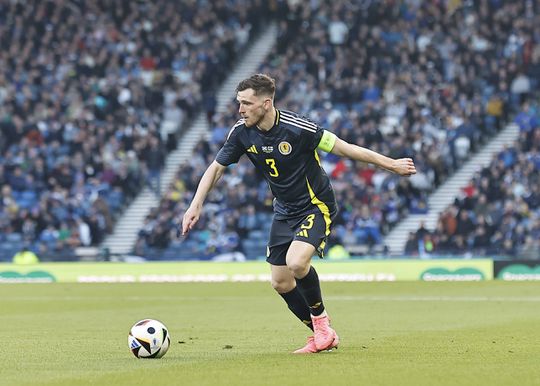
437,298
512,299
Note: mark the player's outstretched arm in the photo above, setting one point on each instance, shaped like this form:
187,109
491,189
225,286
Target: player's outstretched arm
401,166
209,179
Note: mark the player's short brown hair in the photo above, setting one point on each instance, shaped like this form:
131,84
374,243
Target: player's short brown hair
260,83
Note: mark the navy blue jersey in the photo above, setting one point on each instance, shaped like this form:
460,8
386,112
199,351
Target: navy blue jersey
287,157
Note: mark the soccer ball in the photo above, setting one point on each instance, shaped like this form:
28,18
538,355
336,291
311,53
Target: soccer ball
149,338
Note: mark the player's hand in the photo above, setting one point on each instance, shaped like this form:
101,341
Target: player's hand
404,167
190,219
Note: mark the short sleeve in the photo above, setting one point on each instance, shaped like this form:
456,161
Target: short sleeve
232,150
312,136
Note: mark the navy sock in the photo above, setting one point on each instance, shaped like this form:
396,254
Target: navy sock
310,289
297,304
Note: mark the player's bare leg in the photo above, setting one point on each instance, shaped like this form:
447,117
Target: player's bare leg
299,263
282,279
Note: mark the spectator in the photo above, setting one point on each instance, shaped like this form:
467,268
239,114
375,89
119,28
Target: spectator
155,160
411,246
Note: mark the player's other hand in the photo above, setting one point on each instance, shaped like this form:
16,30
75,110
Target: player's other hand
190,219
404,167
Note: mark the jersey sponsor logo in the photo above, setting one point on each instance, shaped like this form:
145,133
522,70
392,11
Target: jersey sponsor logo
285,148
268,149
252,149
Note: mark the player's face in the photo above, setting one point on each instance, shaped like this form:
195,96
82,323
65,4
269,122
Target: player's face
252,107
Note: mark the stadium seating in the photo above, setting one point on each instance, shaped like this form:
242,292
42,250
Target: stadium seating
426,80
87,88
84,90
498,213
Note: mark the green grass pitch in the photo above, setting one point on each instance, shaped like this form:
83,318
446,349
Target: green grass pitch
408,333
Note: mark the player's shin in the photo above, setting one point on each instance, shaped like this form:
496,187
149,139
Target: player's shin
310,289
297,304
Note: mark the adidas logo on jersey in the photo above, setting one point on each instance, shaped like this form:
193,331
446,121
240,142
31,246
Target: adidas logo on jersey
252,149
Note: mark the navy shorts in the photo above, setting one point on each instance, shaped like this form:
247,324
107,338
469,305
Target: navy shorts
312,228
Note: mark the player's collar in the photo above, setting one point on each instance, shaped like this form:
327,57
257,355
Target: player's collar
276,122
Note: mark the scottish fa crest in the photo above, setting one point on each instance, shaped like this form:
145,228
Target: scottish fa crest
285,148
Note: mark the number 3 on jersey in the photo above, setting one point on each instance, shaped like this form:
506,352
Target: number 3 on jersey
272,163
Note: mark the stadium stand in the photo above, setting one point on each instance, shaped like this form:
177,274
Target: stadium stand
498,213
84,87
428,80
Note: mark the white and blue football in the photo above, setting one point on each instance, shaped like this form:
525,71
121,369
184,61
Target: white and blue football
149,338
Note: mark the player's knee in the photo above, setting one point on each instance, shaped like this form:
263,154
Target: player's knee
298,268
282,286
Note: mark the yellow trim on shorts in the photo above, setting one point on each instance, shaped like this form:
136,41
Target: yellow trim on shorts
322,207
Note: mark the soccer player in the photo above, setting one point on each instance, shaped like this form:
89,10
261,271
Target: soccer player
283,146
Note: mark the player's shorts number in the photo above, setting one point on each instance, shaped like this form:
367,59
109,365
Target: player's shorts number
272,163
309,222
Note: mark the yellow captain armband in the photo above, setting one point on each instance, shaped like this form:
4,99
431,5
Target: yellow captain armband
328,140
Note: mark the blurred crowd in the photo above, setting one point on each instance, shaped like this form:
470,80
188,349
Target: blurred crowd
498,213
88,90
85,89
428,80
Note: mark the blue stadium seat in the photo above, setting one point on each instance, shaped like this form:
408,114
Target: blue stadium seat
254,249
14,237
257,235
